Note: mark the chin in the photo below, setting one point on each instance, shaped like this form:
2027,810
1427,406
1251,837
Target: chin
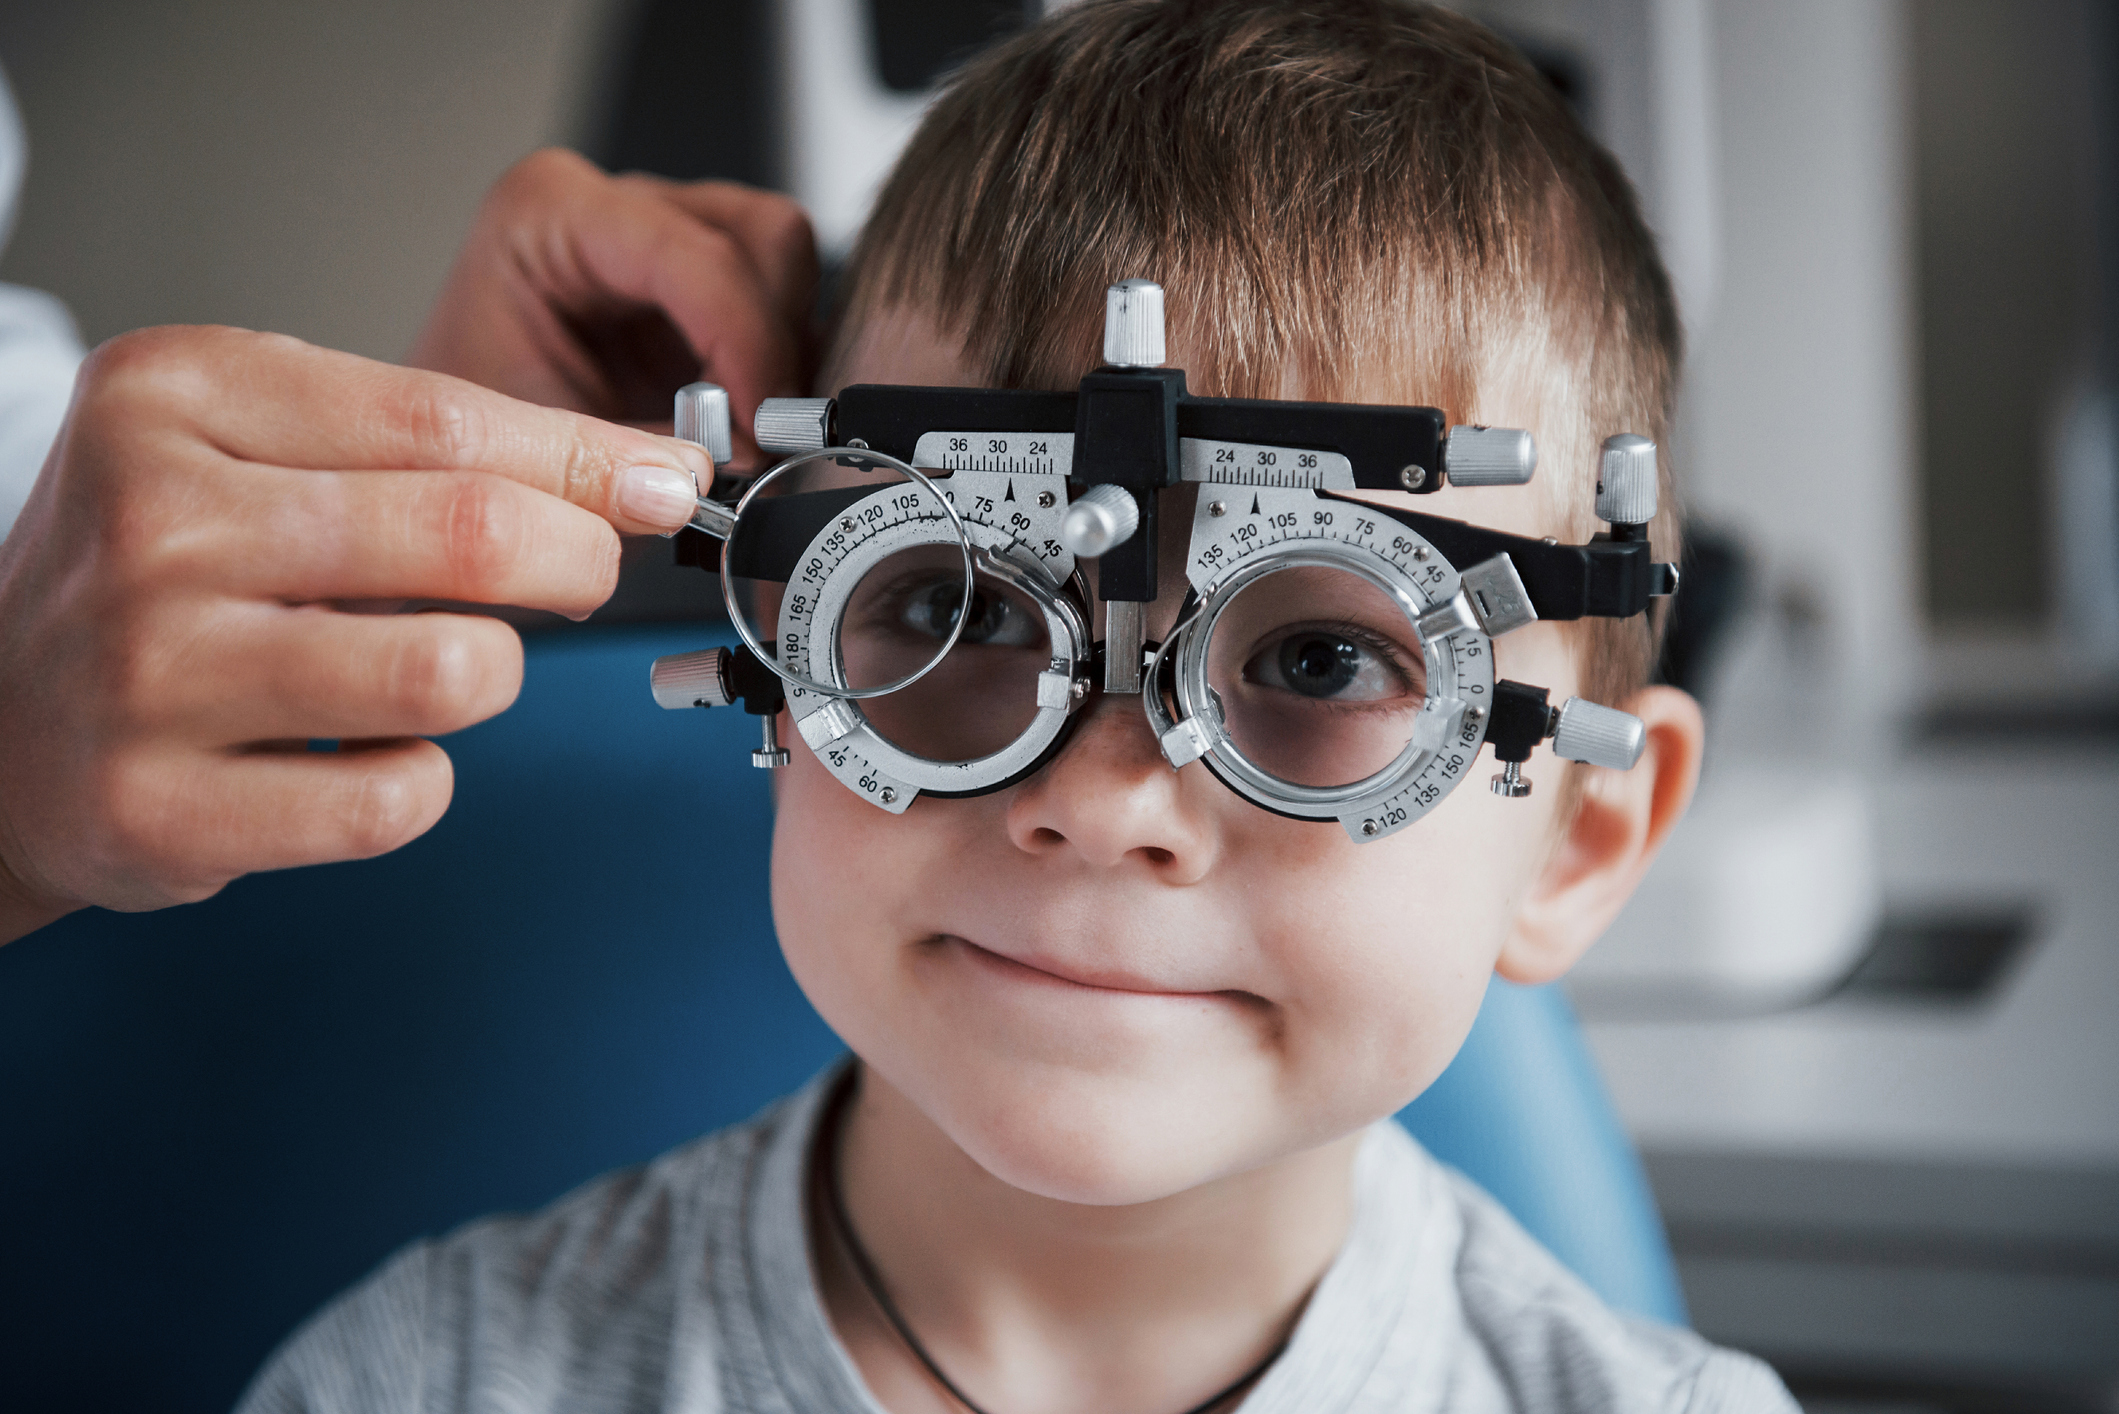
1099,1139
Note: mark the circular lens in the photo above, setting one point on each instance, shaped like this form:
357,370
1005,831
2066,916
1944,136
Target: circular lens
979,698
806,520
1318,675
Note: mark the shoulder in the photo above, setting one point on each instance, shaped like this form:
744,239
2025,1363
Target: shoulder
566,1306
1509,1327
1555,1344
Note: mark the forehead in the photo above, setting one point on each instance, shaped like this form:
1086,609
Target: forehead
898,345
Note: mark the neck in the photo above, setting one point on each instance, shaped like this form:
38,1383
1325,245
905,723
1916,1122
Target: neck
1032,1305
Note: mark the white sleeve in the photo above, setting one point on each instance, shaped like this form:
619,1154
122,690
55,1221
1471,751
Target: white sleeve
39,349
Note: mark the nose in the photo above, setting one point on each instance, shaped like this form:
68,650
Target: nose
1111,800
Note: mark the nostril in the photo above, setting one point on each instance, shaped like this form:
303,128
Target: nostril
1159,857
1044,838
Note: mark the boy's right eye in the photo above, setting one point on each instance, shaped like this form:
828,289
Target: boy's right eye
930,606
995,619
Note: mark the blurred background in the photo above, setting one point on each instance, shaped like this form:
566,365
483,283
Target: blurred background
1860,1021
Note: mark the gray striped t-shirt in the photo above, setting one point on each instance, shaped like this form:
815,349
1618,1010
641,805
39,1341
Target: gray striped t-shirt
685,1286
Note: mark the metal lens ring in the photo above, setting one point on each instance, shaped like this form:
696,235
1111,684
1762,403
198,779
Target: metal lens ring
766,655
1440,740
856,749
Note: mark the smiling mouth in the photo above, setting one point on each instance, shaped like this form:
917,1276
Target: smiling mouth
1045,972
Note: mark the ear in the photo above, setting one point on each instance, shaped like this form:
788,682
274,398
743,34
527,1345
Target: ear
1622,819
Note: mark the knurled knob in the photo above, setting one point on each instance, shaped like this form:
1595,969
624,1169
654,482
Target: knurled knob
697,679
1489,456
791,425
1099,519
702,417
1133,324
1626,480
1601,736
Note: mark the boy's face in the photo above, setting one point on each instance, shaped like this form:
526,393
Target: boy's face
1113,981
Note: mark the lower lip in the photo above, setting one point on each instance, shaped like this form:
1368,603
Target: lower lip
1021,975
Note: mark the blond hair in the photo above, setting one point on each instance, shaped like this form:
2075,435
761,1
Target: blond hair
1367,200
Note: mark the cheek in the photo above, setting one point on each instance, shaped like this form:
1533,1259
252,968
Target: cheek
834,862
1386,949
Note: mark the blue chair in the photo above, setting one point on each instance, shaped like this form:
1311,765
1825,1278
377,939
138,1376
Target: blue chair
216,1117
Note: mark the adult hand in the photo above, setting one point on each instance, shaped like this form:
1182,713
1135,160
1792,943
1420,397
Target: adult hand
174,623
605,294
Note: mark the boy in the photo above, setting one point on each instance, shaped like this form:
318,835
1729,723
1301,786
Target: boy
1116,1135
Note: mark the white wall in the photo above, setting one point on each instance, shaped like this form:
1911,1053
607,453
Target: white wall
1796,428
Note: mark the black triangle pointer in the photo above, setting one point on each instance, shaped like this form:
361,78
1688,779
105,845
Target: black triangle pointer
1254,503
1011,490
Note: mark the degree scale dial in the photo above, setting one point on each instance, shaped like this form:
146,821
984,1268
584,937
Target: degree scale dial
1199,459
1238,533
1014,519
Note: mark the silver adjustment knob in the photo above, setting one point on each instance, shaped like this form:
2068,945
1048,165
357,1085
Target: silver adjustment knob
770,755
1098,520
790,425
1600,736
1626,480
1133,324
1489,456
702,417
691,679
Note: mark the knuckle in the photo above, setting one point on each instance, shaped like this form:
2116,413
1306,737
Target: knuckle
485,530
546,170
130,535
387,808
444,421
434,679
129,667
139,821
161,368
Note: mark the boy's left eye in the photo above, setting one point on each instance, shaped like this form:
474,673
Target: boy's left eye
995,621
1327,664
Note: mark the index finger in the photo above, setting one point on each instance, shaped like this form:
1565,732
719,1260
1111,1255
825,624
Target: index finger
273,399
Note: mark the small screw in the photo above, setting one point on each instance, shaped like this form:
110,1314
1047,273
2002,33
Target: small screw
1552,539
1368,827
1510,785
1412,478
860,442
889,796
1077,690
846,523
1473,714
1218,508
1046,500
1420,553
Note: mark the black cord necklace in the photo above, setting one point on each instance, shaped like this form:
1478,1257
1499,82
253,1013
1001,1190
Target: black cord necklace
872,1282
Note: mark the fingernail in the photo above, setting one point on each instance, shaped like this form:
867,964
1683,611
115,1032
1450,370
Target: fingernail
656,495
